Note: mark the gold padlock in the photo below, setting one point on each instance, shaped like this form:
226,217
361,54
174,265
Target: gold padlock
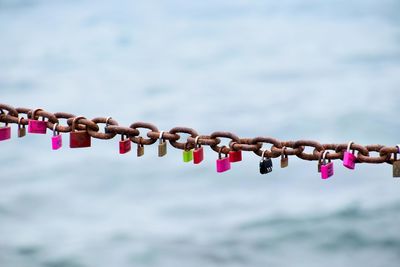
396,164
21,128
162,146
284,158
140,147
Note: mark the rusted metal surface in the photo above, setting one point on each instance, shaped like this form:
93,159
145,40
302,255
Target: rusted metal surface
277,148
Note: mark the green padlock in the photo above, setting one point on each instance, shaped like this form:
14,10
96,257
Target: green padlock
187,155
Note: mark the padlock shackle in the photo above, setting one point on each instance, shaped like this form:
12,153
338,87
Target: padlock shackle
160,136
185,147
20,121
108,121
55,128
74,122
263,155
196,141
349,145
326,152
2,114
220,152
34,112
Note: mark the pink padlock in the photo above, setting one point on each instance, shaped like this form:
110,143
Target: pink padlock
349,159
56,139
5,132
223,164
36,126
327,169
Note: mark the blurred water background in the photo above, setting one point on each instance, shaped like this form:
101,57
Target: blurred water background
323,70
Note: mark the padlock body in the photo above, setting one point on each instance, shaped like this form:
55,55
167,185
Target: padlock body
396,169
124,146
5,133
198,155
284,162
79,139
349,160
140,151
327,170
56,142
265,166
223,164
37,127
235,156
162,149
21,132
187,155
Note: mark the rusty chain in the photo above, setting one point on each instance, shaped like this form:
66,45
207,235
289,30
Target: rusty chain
20,116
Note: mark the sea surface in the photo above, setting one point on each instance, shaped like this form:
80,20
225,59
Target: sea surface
321,70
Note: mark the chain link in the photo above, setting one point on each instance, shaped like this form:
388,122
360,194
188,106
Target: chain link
277,148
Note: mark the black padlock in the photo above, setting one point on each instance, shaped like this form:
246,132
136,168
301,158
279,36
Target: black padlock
265,164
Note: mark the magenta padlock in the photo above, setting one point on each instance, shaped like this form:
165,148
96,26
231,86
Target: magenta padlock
349,159
36,126
5,132
327,169
223,164
56,139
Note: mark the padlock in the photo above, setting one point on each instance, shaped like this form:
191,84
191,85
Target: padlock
36,126
124,145
396,164
187,155
162,146
21,128
140,147
5,132
284,158
223,163
349,159
327,169
198,152
265,164
235,155
56,139
79,139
